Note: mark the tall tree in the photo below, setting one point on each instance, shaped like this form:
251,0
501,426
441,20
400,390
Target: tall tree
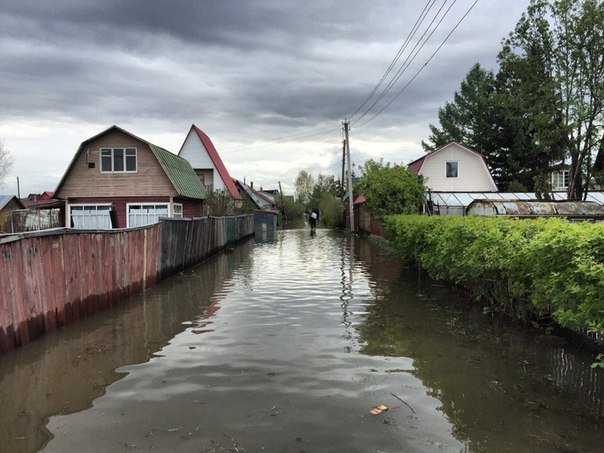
578,32
304,185
6,162
552,69
325,186
532,134
467,119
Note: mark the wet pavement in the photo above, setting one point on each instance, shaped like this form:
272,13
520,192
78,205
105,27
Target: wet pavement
286,345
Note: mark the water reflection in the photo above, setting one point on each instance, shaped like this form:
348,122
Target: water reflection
64,372
501,387
286,345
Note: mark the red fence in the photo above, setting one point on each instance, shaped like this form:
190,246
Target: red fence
54,277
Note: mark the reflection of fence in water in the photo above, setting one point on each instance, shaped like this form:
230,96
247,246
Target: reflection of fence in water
577,376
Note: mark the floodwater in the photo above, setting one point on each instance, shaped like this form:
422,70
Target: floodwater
286,345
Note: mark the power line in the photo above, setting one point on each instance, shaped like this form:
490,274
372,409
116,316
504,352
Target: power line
411,57
418,22
423,66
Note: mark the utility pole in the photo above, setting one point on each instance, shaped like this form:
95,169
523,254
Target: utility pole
18,189
346,124
342,184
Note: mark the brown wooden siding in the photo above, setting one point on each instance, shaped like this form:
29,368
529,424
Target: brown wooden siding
190,208
5,216
52,278
149,179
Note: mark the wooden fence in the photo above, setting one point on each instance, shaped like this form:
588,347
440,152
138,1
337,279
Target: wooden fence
54,277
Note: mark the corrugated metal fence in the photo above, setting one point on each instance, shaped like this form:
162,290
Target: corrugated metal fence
53,277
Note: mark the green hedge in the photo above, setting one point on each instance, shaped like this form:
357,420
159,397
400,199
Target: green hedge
525,268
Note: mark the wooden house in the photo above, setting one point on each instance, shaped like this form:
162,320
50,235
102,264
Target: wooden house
199,150
8,204
454,168
119,180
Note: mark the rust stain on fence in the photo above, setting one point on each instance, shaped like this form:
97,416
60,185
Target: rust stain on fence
50,279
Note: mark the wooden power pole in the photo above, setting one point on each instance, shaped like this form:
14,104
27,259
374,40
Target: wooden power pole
346,124
342,183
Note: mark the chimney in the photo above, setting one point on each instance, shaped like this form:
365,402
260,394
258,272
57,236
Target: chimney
260,188
252,184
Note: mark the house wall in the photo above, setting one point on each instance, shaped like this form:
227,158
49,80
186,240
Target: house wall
473,174
197,155
148,180
191,208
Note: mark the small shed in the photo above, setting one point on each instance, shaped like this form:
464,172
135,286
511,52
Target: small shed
8,204
522,208
265,221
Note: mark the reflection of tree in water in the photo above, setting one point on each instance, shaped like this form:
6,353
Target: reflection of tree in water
64,372
498,388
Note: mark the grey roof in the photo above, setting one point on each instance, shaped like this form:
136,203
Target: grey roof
259,200
465,198
5,199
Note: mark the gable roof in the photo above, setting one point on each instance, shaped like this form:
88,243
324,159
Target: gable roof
416,166
178,170
216,160
259,199
6,199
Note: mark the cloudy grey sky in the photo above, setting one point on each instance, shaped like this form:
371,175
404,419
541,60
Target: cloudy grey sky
269,81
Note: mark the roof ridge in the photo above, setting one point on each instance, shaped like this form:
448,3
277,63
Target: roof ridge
217,161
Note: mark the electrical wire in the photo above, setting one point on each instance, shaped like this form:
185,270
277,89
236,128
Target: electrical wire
402,48
411,57
422,67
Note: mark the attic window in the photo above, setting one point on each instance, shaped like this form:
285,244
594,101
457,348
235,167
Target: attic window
118,160
452,168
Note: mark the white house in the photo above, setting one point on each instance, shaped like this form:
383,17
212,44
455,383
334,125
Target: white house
454,168
199,150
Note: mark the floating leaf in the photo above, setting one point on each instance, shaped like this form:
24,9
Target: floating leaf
378,409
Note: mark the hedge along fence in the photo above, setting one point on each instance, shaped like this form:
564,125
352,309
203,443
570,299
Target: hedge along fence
525,268
54,277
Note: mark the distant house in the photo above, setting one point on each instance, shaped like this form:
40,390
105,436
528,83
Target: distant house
199,150
8,204
454,168
118,180
256,198
37,198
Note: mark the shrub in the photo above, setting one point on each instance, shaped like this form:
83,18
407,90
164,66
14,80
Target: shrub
521,267
390,190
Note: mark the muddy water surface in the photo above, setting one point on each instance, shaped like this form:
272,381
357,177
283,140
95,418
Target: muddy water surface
286,345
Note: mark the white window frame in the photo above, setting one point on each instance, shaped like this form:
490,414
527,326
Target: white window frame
560,176
82,206
180,214
125,149
147,203
456,162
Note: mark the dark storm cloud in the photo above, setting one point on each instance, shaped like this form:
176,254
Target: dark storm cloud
245,71
276,59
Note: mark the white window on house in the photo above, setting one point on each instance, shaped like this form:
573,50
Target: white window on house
90,216
177,211
145,214
452,168
560,179
118,160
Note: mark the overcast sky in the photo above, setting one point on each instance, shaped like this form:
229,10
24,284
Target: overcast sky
257,76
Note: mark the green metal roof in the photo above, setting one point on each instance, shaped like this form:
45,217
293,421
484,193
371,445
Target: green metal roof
181,174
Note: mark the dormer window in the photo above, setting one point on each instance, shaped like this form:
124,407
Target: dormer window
452,169
118,160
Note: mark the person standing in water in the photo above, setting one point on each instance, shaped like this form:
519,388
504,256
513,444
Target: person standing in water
314,216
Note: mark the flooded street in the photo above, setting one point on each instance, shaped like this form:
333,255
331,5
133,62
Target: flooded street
286,345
